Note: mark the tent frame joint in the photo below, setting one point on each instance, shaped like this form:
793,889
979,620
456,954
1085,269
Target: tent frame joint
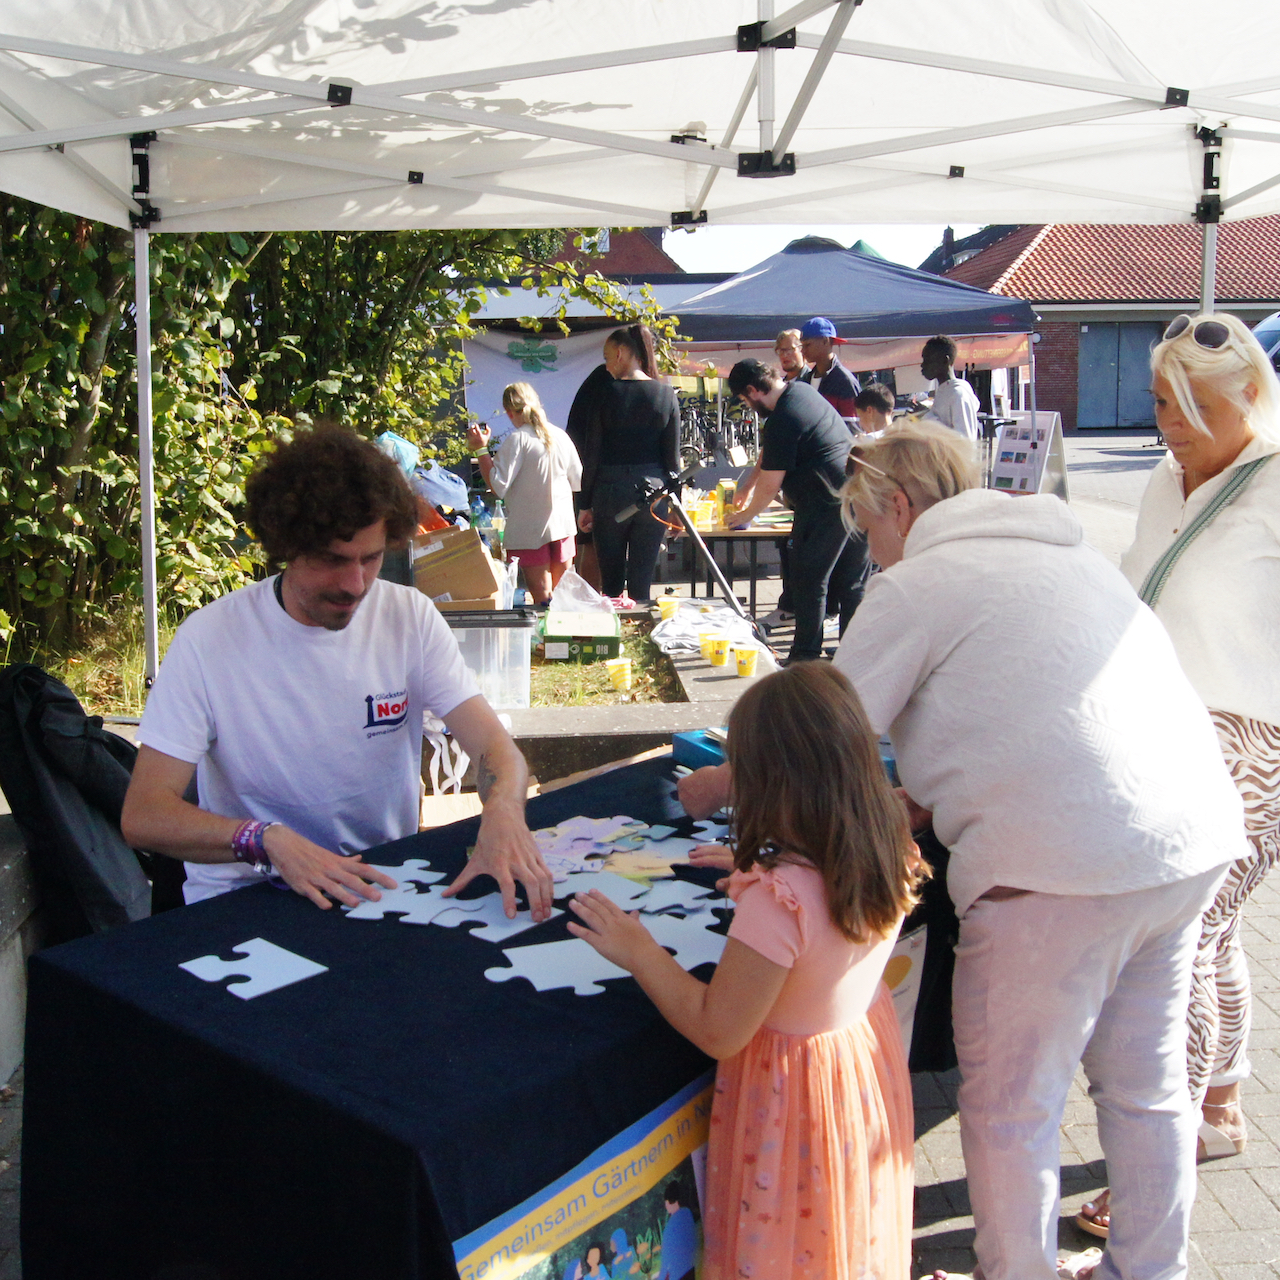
751,38
1209,210
338,95
149,214
687,218
1177,97
761,164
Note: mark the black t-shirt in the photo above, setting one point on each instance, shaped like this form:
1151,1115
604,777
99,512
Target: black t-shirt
640,420
805,437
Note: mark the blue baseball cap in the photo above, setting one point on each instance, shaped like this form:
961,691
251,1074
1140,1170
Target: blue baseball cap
818,327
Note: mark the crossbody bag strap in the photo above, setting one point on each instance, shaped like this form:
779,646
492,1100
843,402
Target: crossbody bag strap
1155,580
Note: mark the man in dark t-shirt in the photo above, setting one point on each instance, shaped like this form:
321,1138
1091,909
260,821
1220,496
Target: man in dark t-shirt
802,454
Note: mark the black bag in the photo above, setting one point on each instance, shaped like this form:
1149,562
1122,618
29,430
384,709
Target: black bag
933,1045
65,778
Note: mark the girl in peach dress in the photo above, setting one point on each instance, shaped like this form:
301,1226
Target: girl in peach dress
809,1164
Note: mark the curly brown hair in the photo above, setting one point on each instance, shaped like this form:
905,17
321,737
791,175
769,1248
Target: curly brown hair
325,484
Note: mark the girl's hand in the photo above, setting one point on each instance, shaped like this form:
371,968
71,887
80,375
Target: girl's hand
477,436
617,936
712,855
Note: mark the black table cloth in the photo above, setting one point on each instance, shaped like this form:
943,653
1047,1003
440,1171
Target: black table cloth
350,1125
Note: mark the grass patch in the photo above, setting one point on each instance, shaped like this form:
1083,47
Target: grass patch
574,684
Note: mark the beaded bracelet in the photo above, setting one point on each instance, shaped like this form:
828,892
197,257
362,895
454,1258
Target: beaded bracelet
247,845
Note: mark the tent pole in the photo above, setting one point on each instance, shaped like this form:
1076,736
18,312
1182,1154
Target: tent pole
765,82
1208,267
146,461
1031,386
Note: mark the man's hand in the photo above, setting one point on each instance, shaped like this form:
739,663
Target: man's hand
738,520
506,851
705,791
315,872
586,520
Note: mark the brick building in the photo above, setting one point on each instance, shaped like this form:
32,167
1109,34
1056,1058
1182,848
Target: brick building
1105,294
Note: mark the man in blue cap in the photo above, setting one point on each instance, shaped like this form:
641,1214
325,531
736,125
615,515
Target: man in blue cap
826,375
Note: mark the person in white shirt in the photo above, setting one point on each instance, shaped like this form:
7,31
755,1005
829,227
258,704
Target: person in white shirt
298,702
1041,722
537,470
1217,403
955,404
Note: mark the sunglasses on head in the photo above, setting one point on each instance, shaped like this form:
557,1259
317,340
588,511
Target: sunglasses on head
1210,334
855,460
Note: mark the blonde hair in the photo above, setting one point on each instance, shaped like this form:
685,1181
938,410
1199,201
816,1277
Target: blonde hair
521,400
828,801
930,462
794,334
1229,370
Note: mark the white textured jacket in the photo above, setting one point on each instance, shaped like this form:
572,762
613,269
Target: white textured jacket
1037,708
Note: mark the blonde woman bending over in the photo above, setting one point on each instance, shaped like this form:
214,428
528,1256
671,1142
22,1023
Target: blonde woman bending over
536,470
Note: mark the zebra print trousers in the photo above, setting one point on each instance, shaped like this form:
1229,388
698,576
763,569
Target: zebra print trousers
1221,1003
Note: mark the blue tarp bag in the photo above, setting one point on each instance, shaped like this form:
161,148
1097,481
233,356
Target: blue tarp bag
404,453
439,487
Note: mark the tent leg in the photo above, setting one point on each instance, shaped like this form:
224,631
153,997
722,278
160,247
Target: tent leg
765,82
146,453
1031,386
1208,267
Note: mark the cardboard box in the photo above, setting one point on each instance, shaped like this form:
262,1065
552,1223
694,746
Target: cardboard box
455,569
580,637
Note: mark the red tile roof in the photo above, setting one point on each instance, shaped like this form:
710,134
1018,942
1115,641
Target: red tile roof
630,253
1082,262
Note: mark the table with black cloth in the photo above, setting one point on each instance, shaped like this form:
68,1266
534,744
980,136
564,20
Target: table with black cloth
350,1125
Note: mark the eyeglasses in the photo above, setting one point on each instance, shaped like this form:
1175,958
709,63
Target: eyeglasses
855,460
1210,334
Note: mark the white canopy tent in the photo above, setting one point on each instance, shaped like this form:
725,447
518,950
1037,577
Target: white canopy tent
377,114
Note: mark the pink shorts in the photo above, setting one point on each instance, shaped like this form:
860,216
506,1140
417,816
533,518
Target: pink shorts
549,553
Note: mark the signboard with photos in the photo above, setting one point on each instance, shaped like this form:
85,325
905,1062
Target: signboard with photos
1030,458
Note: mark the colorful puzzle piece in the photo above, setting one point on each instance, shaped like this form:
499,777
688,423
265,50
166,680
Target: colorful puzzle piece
497,928
266,966
548,965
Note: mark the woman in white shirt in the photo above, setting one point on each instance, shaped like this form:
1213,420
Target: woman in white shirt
536,470
1218,406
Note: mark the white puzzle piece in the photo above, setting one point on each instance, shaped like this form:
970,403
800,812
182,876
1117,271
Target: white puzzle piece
677,895
267,967
411,906
548,965
408,872
621,892
711,832
497,928
692,944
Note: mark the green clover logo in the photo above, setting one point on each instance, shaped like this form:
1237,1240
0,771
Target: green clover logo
534,356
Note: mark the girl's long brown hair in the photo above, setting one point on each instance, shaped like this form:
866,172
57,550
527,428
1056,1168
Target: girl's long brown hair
808,783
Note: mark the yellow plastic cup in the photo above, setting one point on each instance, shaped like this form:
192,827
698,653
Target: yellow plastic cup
619,670
667,606
719,651
704,644
746,660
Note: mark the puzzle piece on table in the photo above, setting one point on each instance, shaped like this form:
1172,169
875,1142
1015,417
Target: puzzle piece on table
677,895
410,906
548,965
672,849
661,832
638,866
622,893
414,869
710,832
497,928
267,967
692,943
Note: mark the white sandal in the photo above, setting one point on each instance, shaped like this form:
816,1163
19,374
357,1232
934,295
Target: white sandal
1212,1143
1070,1267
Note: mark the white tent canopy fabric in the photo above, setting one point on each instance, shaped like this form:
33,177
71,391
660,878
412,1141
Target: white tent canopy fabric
390,114
563,112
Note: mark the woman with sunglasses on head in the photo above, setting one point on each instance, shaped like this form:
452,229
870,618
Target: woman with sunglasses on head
1206,558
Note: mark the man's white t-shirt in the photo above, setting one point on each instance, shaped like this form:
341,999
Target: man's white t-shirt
320,730
955,405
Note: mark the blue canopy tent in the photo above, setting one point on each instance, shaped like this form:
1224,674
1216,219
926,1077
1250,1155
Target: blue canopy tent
864,297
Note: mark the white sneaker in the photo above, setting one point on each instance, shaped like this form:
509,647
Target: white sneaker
777,618
831,629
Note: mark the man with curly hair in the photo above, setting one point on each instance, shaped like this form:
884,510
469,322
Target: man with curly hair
298,702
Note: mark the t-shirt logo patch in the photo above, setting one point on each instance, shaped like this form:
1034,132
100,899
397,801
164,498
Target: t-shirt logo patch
387,710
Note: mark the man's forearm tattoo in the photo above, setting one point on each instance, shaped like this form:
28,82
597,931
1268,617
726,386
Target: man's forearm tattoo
485,778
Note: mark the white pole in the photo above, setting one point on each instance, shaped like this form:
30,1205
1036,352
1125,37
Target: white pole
1208,267
765,85
1031,387
146,453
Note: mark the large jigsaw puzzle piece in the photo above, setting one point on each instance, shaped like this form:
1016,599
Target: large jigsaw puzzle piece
548,965
621,892
692,943
487,911
414,869
411,906
677,895
266,966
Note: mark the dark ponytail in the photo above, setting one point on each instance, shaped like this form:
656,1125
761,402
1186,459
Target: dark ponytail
637,339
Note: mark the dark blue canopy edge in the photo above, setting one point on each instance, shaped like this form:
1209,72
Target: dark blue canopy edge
863,297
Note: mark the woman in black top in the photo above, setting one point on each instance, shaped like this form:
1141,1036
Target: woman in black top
637,443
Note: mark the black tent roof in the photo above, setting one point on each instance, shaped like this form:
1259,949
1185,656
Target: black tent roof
864,297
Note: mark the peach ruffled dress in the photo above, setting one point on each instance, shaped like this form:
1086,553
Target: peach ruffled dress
809,1163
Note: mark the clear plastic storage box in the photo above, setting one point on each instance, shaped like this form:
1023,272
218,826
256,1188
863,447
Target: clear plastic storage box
495,644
